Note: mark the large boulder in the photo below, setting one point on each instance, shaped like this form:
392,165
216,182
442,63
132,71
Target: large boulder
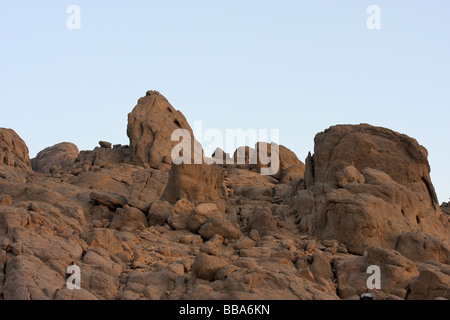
218,224
432,283
159,212
60,154
262,221
13,150
206,266
110,199
200,215
128,217
150,128
281,161
420,246
147,187
366,186
287,160
396,273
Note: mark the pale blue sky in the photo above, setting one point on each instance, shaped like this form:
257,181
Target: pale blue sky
297,66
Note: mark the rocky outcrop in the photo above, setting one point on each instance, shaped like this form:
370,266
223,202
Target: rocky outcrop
59,155
109,199
13,150
287,160
105,144
432,283
150,128
199,182
104,156
445,207
366,186
139,230
147,187
396,274
286,167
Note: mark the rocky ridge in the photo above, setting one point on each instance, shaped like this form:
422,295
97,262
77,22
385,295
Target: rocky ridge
141,227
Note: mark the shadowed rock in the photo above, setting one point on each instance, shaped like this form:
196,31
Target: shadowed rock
13,150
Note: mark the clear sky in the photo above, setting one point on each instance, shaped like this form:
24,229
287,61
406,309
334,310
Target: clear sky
297,66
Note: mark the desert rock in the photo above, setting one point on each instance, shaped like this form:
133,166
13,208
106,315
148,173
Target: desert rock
109,199
198,182
61,154
366,186
13,150
142,227
105,144
150,128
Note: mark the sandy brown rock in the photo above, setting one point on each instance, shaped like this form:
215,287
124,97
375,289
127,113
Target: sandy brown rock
129,217
287,159
205,266
13,150
219,225
366,186
445,207
150,128
200,214
198,182
262,221
105,144
225,231
420,246
180,214
147,187
397,273
432,283
101,157
159,212
109,199
61,154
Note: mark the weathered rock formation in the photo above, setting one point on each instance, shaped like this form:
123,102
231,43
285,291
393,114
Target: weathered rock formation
142,227
59,155
13,150
104,156
150,128
198,182
367,186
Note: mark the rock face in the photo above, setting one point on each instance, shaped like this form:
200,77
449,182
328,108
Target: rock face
60,154
397,272
109,199
101,156
199,182
366,186
289,166
141,227
13,150
105,144
445,207
287,160
150,128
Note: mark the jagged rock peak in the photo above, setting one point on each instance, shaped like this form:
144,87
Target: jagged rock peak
150,128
